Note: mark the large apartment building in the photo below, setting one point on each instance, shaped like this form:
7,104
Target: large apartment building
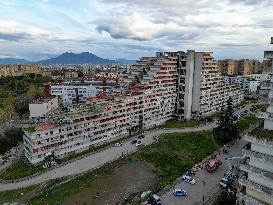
148,97
105,117
19,70
257,180
201,88
240,67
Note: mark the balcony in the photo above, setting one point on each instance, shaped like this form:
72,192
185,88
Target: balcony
243,198
256,187
260,173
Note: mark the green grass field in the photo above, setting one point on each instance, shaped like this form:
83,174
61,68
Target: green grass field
175,153
15,195
19,170
180,124
171,156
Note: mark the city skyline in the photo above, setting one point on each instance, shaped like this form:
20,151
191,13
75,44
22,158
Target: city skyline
40,29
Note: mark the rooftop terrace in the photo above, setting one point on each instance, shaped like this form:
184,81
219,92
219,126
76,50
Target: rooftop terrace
262,133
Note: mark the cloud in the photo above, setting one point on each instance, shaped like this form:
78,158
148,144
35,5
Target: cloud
138,28
130,28
15,36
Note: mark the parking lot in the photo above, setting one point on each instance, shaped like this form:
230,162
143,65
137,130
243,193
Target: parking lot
207,184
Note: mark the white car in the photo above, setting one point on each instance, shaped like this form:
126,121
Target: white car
188,179
139,143
118,144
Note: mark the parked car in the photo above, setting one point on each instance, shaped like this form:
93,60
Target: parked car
188,179
141,136
139,143
133,141
212,165
180,192
118,144
225,182
154,200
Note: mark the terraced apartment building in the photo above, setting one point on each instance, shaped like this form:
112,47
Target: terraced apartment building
257,180
149,96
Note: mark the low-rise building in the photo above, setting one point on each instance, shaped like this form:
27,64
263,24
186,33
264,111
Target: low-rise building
71,91
43,106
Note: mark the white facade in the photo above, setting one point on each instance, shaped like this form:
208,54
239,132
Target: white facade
43,106
254,85
73,92
250,83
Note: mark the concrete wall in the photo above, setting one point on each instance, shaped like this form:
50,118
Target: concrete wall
197,80
262,149
259,195
189,84
39,109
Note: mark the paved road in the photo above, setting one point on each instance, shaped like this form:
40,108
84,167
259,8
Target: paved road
211,186
97,159
100,158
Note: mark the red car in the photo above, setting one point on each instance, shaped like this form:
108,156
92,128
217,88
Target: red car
212,165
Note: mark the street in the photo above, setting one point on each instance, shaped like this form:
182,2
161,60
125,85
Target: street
207,184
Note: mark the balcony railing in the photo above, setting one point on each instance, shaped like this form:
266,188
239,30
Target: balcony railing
255,186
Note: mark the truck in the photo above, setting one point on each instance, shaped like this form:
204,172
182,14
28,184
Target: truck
212,165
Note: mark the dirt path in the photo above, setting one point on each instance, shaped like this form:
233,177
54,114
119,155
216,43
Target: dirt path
112,188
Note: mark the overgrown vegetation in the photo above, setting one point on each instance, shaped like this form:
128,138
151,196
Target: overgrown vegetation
19,170
262,133
10,139
226,198
246,122
16,93
58,193
176,153
11,196
181,124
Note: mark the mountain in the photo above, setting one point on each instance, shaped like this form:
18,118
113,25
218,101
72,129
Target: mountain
72,58
13,61
69,58
124,61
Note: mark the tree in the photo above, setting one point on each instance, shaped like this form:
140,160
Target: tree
226,198
14,136
226,130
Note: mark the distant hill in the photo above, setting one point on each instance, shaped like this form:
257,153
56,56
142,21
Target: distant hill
72,58
124,61
69,58
13,61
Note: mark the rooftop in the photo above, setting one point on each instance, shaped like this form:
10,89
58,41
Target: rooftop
42,100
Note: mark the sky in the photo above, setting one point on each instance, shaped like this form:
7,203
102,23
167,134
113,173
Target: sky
40,29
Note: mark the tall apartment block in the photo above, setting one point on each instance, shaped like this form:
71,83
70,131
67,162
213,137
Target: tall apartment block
240,67
19,70
201,89
257,181
149,96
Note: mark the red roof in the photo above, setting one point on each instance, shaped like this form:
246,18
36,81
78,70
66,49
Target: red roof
43,127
